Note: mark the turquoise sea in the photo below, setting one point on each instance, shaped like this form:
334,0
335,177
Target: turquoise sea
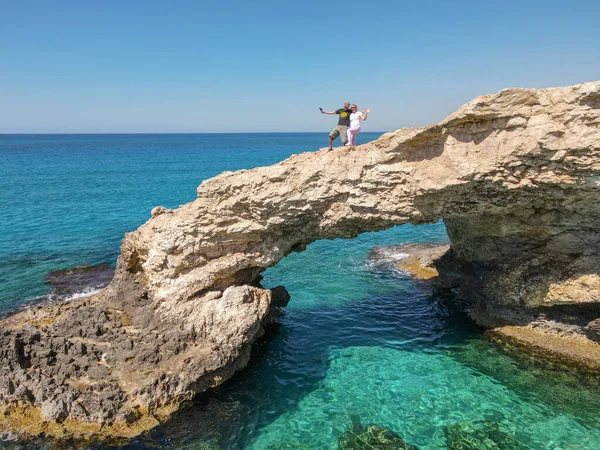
359,343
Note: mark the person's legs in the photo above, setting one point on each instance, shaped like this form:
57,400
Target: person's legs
352,132
332,136
343,134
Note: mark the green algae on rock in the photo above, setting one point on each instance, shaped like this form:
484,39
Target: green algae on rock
481,435
371,437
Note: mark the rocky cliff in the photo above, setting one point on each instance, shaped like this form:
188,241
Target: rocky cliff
515,176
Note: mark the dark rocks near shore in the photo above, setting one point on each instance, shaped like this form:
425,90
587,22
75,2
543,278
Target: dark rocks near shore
84,279
103,366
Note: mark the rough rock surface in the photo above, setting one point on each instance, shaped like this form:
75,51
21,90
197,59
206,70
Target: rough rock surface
515,175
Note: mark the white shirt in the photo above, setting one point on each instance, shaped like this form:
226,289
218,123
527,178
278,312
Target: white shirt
355,119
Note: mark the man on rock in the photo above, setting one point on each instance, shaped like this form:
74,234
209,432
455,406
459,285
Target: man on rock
341,129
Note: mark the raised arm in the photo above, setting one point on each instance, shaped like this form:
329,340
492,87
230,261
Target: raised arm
364,113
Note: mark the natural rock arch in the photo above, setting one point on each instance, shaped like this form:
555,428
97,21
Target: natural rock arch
515,176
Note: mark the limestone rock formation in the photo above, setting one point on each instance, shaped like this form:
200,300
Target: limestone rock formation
516,177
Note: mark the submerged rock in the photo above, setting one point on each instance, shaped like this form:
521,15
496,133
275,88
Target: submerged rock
371,437
481,435
84,279
289,446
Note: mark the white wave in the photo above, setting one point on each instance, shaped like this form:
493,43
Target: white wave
88,292
7,437
32,302
387,256
399,256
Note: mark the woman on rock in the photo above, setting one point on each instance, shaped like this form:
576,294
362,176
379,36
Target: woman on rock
355,118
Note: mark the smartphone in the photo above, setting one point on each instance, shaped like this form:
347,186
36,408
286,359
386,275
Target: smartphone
321,109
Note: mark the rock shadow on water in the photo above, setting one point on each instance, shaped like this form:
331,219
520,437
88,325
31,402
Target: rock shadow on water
232,414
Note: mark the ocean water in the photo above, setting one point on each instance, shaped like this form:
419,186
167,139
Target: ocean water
67,200
359,343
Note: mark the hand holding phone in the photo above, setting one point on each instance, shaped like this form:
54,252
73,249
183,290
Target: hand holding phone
321,109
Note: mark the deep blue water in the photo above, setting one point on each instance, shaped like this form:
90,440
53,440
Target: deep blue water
358,342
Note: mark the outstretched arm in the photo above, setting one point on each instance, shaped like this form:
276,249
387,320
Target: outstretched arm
327,112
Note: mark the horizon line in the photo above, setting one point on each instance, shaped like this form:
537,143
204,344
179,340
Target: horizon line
173,132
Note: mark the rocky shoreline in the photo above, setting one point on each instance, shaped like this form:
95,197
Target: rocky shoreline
515,176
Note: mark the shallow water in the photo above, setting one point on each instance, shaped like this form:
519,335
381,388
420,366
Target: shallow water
358,343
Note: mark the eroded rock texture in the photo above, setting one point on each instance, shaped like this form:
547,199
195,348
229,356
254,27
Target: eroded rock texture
515,175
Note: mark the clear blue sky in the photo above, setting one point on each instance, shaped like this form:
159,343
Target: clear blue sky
234,66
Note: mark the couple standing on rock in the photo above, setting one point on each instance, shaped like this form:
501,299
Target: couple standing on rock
348,124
